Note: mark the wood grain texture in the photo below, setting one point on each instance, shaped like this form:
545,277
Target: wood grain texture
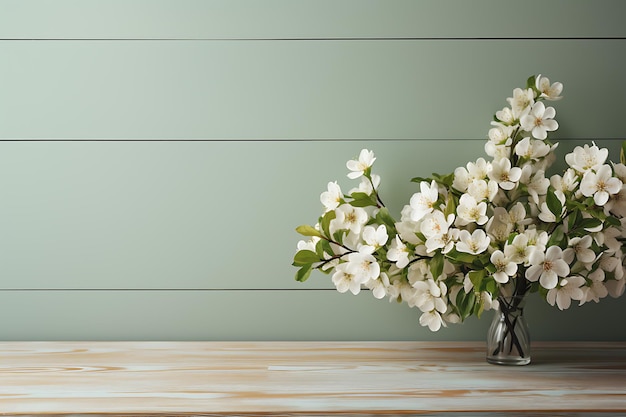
305,378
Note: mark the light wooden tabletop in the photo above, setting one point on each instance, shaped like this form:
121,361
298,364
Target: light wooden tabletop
307,378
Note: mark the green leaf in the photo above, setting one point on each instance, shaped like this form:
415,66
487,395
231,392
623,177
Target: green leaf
447,179
465,303
554,204
450,205
530,82
305,256
572,219
325,222
362,200
460,257
419,180
307,230
557,237
491,286
304,273
436,265
589,223
613,221
383,217
476,277
622,153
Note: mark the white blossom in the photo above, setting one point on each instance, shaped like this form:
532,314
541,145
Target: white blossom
358,167
579,248
600,185
548,91
345,280
521,101
547,267
471,211
568,290
331,198
375,237
505,175
586,158
539,121
474,243
363,265
349,218
505,268
423,202
398,253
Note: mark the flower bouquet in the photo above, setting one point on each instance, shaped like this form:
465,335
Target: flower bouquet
486,235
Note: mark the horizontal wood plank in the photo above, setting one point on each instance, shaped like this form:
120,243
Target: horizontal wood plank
290,90
187,215
306,315
280,19
364,378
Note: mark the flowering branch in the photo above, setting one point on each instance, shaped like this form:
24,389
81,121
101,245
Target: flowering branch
492,229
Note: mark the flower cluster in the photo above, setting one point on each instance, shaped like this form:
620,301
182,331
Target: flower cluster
491,229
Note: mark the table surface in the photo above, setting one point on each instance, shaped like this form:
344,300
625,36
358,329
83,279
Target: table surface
307,378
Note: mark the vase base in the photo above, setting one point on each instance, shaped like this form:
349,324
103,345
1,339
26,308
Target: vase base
508,360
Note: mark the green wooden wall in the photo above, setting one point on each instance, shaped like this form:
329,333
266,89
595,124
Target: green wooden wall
156,156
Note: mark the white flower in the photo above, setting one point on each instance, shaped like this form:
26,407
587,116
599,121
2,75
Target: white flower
375,237
358,167
423,202
568,290
548,91
444,241
504,175
433,320
331,198
398,253
616,288
597,289
536,184
499,226
419,271
579,248
586,158
308,244
546,215
505,116
567,182
519,250
547,267
620,171
505,268
429,296
345,280
349,218
496,151
617,202
366,186
500,134
521,101
363,265
378,286
483,190
539,121
470,211
532,149
538,239
436,223
600,184
476,243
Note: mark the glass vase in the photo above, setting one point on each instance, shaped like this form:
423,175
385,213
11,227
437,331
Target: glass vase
508,340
